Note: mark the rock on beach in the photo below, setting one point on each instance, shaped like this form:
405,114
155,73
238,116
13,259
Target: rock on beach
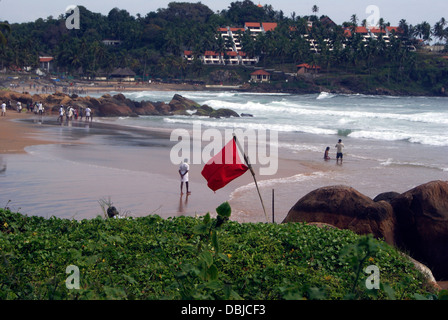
117,105
415,221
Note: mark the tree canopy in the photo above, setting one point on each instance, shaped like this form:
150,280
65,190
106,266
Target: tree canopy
154,43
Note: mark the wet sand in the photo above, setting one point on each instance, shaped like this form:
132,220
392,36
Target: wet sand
15,135
72,166
66,169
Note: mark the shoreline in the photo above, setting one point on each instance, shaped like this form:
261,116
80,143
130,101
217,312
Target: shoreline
17,135
99,86
78,146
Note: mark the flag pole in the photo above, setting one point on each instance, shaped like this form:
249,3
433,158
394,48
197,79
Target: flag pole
246,159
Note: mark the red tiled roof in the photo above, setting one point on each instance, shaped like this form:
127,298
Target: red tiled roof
307,66
222,29
377,30
268,26
236,29
45,59
396,29
361,30
212,53
188,52
252,24
260,72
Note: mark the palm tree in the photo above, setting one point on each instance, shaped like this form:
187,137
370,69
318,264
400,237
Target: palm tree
353,23
439,29
423,31
4,27
315,9
403,25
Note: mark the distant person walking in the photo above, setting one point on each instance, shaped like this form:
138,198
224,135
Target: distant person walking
3,109
61,113
40,108
339,146
183,172
88,111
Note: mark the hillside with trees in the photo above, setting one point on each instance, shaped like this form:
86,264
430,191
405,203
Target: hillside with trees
152,46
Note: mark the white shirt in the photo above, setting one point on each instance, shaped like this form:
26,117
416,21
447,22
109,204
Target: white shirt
339,146
184,167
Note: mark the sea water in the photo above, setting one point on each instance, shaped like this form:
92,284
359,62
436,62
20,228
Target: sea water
391,144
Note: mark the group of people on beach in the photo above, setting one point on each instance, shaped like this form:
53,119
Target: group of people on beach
71,113
339,155
37,107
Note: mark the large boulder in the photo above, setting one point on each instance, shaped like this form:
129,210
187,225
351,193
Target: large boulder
422,225
345,208
112,109
146,108
179,102
223,113
386,196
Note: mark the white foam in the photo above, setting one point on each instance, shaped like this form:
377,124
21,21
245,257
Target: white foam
272,182
325,95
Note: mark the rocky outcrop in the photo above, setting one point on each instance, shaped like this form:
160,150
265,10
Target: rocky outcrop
345,208
422,225
118,105
415,221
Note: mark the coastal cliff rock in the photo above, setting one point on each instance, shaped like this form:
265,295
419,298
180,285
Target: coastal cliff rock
181,103
117,105
422,225
345,208
415,221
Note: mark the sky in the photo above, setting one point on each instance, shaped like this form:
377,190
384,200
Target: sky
339,11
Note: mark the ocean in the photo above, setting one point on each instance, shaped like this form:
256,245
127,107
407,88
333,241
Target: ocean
391,144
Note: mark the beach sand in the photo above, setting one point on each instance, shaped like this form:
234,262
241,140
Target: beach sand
65,170
16,135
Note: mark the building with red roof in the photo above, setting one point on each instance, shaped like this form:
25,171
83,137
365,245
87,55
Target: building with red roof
45,63
260,76
304,68
269,26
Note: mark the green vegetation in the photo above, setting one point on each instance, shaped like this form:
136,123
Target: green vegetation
152,46
195,258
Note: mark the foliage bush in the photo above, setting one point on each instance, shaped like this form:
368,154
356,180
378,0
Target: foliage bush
195,258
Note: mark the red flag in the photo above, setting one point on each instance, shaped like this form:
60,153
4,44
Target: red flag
223,167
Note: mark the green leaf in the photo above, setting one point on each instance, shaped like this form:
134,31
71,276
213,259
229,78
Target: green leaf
224,210
224,257
214,285
201,229
207,257
213,272
215,241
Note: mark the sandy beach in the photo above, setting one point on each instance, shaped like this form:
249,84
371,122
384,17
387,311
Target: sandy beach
129,166
17,135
